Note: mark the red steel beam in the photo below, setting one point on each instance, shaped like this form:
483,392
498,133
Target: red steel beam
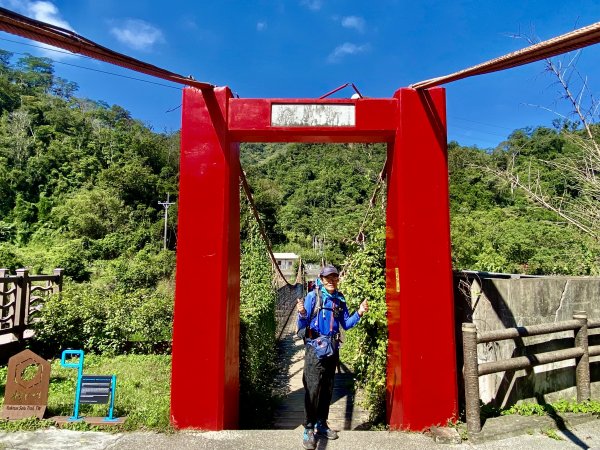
250,121
36,30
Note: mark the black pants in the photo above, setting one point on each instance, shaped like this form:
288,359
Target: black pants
318,386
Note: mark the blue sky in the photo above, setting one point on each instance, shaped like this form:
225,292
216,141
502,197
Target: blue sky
305,48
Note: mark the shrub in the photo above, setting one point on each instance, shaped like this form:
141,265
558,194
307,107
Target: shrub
257,332
102,321
74,258
365,347
9,258
144,269
91,213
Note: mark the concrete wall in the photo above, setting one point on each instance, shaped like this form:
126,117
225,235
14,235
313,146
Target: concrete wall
495,302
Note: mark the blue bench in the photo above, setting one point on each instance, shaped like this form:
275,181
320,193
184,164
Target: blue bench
91,389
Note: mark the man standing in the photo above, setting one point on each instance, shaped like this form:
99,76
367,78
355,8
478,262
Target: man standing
320,315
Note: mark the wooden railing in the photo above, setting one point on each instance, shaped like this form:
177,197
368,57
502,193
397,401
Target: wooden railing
22,296
581,352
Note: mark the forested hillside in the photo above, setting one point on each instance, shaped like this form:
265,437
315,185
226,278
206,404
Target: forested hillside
80,182
313,194
79,186
313,198
77,176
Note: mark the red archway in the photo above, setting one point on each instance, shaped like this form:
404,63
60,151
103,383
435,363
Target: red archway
421,370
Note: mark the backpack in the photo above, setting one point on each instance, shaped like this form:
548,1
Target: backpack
317,308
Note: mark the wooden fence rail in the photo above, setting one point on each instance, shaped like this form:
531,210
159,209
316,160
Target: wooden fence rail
581,352
22,296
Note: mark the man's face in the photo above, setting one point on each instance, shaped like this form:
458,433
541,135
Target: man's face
330,282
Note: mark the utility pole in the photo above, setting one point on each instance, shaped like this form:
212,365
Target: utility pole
166,206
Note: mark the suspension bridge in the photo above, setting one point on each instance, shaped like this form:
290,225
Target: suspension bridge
417,225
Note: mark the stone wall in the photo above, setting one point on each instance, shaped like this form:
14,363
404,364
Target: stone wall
495,302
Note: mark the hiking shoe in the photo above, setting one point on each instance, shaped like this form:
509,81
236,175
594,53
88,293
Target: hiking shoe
308,440
324,430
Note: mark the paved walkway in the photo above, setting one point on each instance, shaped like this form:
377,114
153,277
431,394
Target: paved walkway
582,436
345,412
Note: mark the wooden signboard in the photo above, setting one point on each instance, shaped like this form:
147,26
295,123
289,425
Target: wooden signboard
26,393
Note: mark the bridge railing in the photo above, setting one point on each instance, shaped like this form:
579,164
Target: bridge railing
22,296
286,306
581,352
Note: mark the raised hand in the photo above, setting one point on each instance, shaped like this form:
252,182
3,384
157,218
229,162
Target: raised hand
363,308
300,306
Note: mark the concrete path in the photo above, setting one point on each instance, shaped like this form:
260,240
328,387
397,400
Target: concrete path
582,436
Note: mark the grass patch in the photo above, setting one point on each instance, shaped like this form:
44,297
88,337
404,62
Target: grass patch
142,393
542,409
560,406
551,433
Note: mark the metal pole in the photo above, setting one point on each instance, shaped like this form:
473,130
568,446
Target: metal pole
165,230
166,207
582,370
471,376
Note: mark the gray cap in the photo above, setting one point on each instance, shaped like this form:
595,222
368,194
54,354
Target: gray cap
328,270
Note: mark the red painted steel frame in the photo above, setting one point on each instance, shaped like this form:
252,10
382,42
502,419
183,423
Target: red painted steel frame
421,370
205,367
421,379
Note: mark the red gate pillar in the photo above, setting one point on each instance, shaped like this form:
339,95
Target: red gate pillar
421,370
205,367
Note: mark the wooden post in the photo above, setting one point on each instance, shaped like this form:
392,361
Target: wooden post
3,296
471,376
21,302
57,288
582,370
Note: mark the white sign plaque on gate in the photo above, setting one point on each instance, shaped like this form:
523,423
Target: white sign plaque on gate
313,115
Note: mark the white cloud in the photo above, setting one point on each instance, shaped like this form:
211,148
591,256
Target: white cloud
313,5
189,23
39,10
347,48
356,22
137,34
44,12
260,26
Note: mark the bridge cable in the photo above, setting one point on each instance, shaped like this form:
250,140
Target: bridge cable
26,27
564,43
261,226
360,236
56,36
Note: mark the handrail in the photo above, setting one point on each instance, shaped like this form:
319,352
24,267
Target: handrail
581,352
532,330
18,304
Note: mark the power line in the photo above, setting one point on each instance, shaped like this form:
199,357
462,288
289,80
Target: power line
45,48
26,27
82,67
106,72
450,126
480,123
